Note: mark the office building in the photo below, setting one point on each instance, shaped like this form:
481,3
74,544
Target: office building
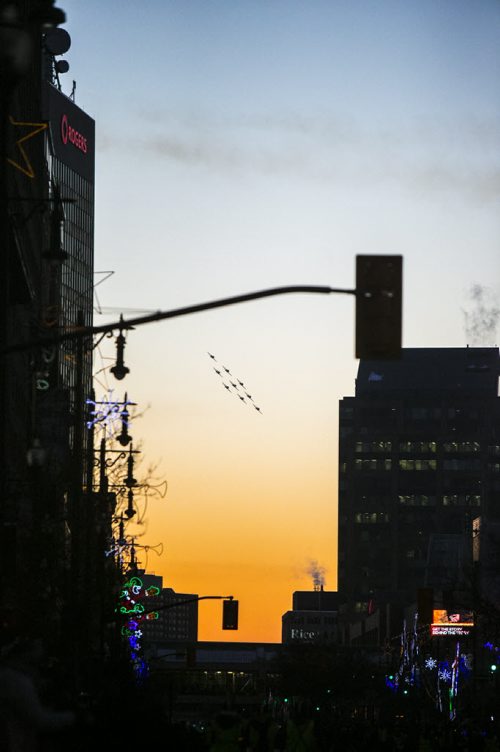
46,229
419,460
177,614
313,618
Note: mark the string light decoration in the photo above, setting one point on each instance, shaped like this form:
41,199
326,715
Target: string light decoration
443,679
107,413
131,607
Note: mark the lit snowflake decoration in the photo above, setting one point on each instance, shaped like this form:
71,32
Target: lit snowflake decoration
444,674
107,413
430,663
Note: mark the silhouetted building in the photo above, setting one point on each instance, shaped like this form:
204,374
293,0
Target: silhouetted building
177,614
313,618
419,459
200,679
46,233
318,599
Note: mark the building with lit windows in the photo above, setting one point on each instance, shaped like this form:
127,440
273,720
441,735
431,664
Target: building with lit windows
419,460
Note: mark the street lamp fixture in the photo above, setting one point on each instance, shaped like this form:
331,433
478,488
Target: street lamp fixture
120,370
130,481
124,438
130,511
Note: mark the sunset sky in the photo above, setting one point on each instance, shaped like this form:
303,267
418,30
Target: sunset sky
244,145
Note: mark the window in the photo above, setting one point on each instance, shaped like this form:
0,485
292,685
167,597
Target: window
461,446
372,464
463,499
346,412
345,431
365,464
412,464
417,500
423,413
462,464
373,446
368,518
461,412
422,447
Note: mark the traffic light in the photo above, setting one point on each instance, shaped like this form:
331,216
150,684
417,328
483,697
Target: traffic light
425,605
378,306
229,614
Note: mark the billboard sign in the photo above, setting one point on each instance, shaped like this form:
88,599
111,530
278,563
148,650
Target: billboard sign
72,132
451,624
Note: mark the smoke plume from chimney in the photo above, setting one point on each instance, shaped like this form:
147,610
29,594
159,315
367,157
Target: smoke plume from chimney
317,573
482,320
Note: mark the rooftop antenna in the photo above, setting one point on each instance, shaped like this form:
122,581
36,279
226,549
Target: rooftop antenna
57,41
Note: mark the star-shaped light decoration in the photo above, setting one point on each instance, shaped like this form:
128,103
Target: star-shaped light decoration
25,168
444,674
430,663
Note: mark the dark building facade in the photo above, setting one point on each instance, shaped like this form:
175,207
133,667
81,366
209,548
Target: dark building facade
419,460
313,617
47,238
195,681
177,614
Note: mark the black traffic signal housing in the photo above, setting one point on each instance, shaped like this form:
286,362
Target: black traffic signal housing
379,282
229,614
425,605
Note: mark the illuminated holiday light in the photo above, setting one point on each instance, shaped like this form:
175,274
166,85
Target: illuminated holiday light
106,413
444,674
454,682
137,608
132,593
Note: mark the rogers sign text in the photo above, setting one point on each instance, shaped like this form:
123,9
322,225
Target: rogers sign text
68,133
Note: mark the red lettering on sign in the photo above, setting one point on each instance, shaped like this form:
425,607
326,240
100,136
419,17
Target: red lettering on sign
64,129
68,133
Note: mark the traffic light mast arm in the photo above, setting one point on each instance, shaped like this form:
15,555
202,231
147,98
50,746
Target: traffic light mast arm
161,315
378,294
188,600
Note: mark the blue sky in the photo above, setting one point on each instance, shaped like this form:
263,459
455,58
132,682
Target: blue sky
246,145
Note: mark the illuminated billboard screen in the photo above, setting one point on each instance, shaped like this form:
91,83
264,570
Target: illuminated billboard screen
451,624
